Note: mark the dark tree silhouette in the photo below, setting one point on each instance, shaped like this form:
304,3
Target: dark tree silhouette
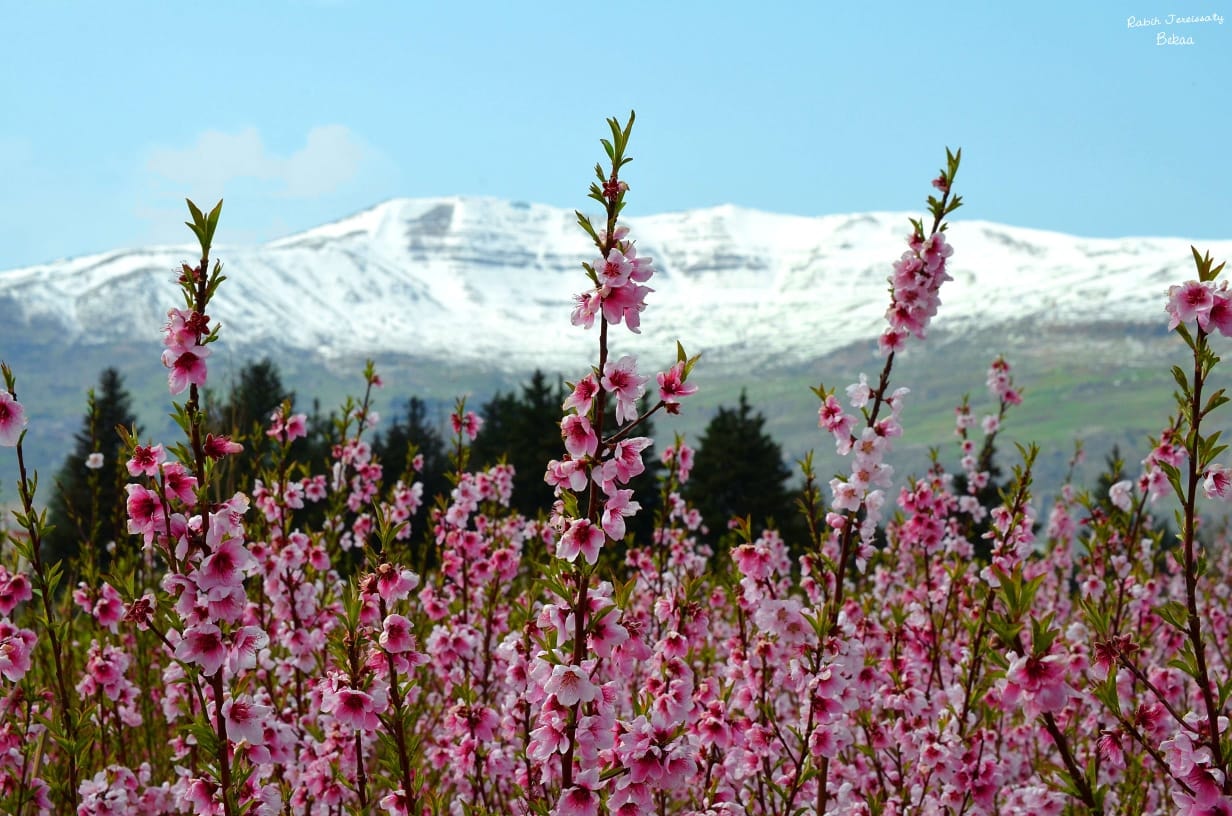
525,431
253,397
739,471
88,505
412,431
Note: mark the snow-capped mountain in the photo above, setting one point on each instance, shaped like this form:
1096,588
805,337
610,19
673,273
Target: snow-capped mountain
479,279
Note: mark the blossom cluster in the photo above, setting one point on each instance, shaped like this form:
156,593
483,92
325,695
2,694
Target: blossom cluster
619,294
915,288
298,647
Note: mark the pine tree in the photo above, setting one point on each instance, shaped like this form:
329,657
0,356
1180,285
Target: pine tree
257,393
525,431
243,417
414,431
738,470
645,486
88,504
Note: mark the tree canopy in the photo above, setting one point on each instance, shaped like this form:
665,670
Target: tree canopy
739,471
88,504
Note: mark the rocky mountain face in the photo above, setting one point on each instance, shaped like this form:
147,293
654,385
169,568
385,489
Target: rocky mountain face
484,285
466,278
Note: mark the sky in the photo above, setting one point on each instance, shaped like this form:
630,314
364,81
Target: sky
1071,116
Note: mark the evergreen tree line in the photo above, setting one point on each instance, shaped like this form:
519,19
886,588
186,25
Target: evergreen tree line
738,470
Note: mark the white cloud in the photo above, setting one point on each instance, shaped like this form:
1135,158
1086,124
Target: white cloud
331,157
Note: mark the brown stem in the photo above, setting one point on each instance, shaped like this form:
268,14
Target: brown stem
1194,623
220,731
1075,773
57,647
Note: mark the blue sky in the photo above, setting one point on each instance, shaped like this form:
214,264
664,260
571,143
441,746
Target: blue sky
303,112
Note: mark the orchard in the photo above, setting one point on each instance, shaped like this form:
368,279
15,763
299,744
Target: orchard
288,643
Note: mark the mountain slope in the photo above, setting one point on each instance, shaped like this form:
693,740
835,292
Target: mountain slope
459,295
423,276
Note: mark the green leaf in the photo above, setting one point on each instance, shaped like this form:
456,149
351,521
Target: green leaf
212,220
198,217
1179,376
1216,400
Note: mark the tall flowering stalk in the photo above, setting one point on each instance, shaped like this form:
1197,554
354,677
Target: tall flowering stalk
17,645
205,551
1209,305
1160,643
578,718
911,663
858,500
914,298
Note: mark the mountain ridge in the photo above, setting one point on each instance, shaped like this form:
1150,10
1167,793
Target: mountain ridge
422,274
465,296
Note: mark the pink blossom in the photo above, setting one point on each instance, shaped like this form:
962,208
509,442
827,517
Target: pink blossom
1120,494
288,429
622,380
613,272
395,584
1217,483
1189,301
891,340
1039,682
916,281
684,463
94,461
16,646
588,305
580,438
627,457
1220,316
15,588
146,460
571,474
846,496
187,368
571,684
672,385
108,610
581,537
831,417
615,509
583,798
395,803
200,794
179,483
626,303
183,330
860,393
245,720
202,644
607,633
246,643
397,635
548,737
582,396
226,566
12,420
145,511
352,709
936,250
469,424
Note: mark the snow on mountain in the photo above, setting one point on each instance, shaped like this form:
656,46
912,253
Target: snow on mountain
484,279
